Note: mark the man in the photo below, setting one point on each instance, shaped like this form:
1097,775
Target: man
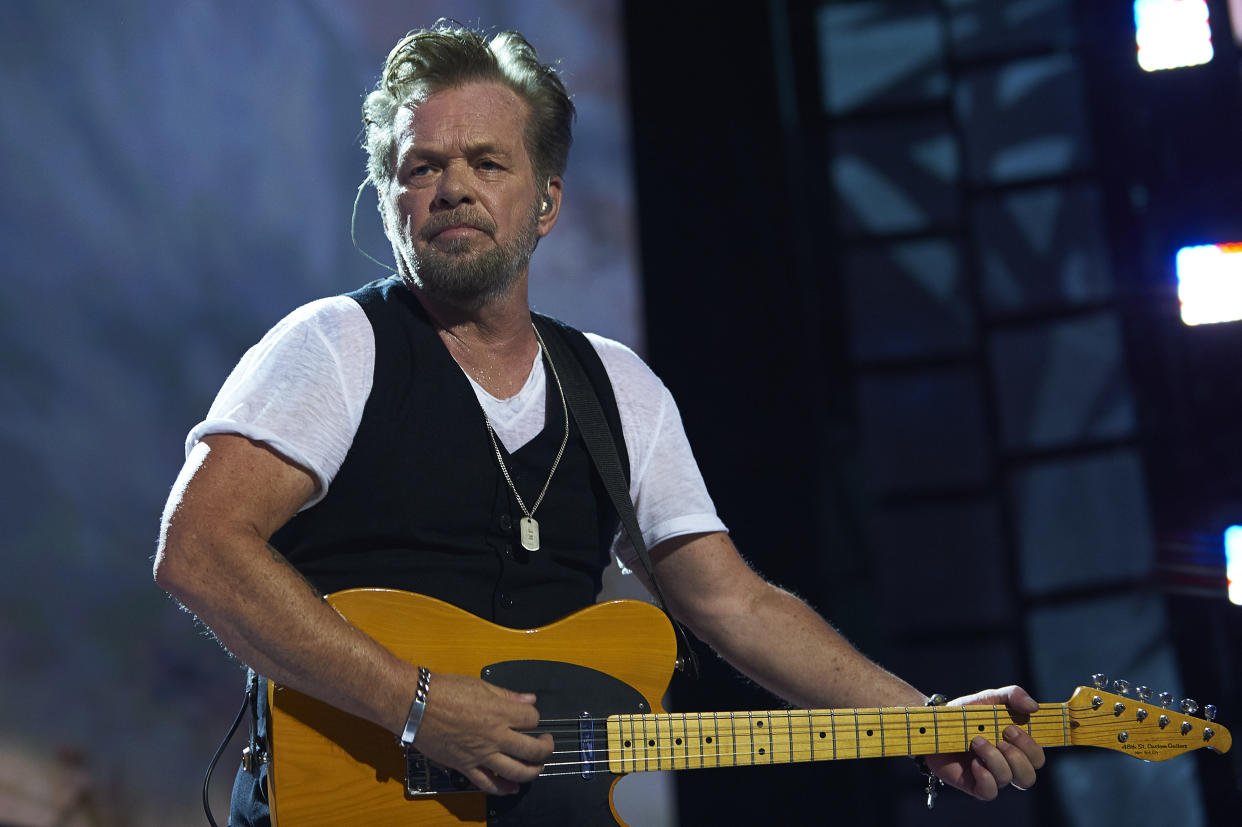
407,435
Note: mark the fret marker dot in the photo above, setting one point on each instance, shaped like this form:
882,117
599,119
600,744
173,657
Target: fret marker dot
651,743
759,723
628,743
761,750
823,735
869,732
981,727
922,730
678,742
709,739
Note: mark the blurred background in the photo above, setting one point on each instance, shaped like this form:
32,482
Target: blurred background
911,270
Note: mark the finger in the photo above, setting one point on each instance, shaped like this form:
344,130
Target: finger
984,787
506,767
1020,767
516,697
993,760
489,783
1022,739
520,709
1019,700
526,748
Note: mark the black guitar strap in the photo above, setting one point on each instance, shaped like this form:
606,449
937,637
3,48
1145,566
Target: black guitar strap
586,411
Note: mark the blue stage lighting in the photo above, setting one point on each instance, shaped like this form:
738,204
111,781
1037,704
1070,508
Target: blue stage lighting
1209,283
1172,33
1233,563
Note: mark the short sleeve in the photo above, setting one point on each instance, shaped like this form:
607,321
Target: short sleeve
669,494
301,389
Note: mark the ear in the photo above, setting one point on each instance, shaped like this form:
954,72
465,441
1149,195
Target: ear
550,205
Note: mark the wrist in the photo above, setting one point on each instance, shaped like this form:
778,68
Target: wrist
414,719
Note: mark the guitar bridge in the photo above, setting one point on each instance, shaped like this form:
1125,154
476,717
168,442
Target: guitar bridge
423,779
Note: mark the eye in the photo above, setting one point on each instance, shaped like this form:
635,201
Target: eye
489,165
420,170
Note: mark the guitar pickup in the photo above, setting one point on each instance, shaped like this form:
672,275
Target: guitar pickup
586,743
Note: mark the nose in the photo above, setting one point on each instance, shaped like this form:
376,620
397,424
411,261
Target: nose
454,187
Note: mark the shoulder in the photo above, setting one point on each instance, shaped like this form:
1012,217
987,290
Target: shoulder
333,313
624,366
337,324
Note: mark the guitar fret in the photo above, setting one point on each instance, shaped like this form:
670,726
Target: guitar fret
733,737
682,740
659,744
686,743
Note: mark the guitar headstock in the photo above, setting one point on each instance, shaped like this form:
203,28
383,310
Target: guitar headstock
1140,728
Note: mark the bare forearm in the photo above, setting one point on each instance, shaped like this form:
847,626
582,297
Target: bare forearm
263,611
782,644
767,633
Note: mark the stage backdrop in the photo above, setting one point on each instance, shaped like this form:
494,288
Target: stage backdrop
176,176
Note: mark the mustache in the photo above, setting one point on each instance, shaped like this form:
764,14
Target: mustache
457,218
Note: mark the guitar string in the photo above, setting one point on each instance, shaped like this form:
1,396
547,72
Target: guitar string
638,754
1053,724
710,758
799,717
1045,711
1047,721
980,715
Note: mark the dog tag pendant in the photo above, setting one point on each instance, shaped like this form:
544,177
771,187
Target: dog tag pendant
529,530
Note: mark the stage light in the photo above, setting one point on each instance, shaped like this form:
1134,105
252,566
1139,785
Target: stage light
1172,33
1209,283
1233,563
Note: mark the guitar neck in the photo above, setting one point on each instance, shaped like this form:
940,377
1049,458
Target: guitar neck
641,743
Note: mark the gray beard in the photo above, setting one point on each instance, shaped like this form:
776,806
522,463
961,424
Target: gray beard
471,281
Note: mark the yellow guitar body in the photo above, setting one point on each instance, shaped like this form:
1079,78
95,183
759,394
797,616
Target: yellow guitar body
331,768
600,674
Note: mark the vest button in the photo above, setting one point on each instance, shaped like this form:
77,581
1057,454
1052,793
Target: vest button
506,522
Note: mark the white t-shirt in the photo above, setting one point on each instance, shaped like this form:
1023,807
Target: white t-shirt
303,387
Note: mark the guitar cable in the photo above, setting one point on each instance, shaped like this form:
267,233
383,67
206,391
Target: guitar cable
215,759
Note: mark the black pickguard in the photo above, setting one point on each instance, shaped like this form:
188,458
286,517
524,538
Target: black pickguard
565,692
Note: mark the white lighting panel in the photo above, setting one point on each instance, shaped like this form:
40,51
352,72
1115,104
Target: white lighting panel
1172,34
1209,283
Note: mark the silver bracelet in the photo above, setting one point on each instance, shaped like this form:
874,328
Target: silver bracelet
415,718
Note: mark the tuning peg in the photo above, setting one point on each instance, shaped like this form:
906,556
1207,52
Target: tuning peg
1099,680
1209,712
1144,693
1122,686
1166,698
1189,706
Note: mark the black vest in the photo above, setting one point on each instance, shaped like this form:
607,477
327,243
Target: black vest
420,504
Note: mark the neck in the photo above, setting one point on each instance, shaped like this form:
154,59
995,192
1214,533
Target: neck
494,344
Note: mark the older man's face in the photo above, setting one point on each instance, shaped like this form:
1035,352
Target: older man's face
463,212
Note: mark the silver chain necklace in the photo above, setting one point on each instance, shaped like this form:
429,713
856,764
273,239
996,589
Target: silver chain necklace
528,525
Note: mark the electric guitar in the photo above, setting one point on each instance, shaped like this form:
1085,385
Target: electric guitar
599,675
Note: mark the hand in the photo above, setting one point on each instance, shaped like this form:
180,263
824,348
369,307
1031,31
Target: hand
472,727
988,767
